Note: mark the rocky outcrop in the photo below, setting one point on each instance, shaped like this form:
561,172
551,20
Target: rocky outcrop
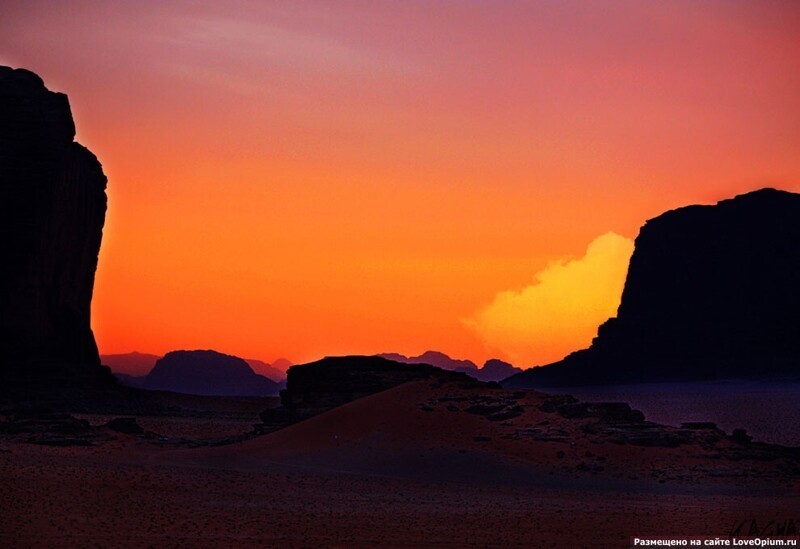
207,373
50,429
125,425
323,385
712,292
52,210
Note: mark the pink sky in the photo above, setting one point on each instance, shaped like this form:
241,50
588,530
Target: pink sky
309,178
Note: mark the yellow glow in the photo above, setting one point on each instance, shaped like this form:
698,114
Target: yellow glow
562,308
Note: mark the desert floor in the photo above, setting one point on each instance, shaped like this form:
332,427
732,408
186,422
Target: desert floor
407,467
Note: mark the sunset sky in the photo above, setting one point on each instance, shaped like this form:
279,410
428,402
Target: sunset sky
303,179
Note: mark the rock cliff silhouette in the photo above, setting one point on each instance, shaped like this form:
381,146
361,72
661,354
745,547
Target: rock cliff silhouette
712,292
52,210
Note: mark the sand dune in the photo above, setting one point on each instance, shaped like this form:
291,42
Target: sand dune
440,431
408,467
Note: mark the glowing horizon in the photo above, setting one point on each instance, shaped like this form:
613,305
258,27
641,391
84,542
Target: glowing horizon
303,179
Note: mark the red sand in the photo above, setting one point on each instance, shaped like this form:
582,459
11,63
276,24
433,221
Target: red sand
391,433
383,471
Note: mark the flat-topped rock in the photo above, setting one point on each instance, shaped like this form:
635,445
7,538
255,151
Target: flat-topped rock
711,293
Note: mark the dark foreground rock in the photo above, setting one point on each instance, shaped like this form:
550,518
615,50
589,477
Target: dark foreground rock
126,425
52,210
604,423
50,429
711,293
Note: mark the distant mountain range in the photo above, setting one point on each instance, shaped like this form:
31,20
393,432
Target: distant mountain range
275,371
711,293
133,364
434,358
138,370
134,369
496,370
492,370
207,373
131,369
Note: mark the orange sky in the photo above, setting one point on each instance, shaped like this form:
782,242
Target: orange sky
301,179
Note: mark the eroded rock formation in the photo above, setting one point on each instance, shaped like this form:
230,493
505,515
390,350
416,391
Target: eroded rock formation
52,210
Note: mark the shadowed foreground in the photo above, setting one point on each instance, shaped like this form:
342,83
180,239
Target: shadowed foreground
419,465
59,498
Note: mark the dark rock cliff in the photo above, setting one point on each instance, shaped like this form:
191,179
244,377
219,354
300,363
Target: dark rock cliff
52,210
712,292
207,373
